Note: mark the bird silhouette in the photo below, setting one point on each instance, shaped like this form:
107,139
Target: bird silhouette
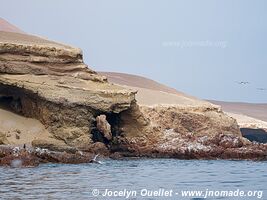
243,82
95,161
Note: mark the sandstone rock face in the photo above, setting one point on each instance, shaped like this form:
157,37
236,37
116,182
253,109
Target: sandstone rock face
49,81
83,112
26,54
187,133
3,139
103,126
172,124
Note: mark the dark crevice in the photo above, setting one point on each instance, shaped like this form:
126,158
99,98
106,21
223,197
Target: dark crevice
11,103
114,121
254,135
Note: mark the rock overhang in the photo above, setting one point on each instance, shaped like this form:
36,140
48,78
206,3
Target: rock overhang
56,71
102,97
49,81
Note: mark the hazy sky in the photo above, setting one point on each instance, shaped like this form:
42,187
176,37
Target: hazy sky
202,47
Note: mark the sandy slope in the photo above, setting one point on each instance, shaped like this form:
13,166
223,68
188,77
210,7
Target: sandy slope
258,111
151,92
6,26
248,122
151,97
19,130
138,81
26,39
25,128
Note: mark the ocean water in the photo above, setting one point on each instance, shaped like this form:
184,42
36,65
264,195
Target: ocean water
141,178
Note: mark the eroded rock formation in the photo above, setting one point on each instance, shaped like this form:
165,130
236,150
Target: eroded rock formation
187,133
30,157
103,126
3,139
49,81
83,112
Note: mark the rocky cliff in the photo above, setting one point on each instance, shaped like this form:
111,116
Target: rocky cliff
49,81
186,133
82,111
184,126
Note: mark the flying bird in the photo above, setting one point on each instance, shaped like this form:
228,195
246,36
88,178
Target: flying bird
243,82
95,161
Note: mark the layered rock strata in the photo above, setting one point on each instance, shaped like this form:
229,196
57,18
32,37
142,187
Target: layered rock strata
48,81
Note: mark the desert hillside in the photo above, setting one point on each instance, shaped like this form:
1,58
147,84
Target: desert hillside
151,93
258,111
138,81
143,84
6,26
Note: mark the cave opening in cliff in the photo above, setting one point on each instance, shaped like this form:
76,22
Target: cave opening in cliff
113,119
97,136
10,103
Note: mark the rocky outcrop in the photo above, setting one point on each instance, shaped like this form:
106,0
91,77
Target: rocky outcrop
186,133
26,54
49,81
30,157
84,113
178,125
3,138
103,126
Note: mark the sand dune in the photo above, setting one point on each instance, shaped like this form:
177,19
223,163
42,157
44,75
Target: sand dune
138,81
6,26
151,92
258,111
151,97
26,39
245,121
